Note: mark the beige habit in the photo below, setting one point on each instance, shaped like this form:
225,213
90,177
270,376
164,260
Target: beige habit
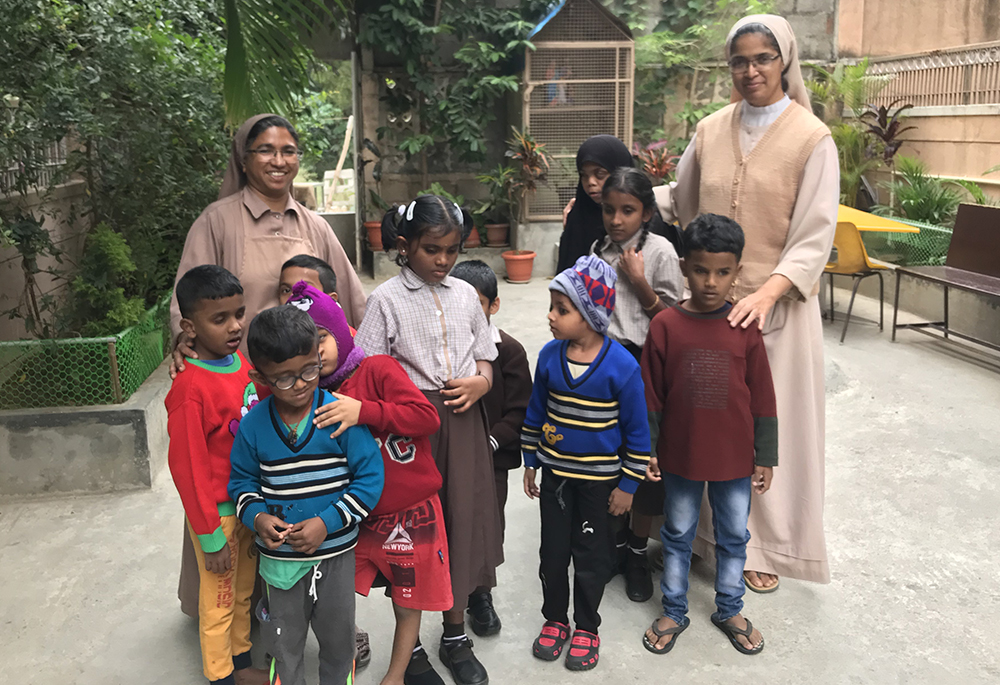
786,524
240,233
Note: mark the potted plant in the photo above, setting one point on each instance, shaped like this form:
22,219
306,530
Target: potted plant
530,167
495,211
656,159
376,205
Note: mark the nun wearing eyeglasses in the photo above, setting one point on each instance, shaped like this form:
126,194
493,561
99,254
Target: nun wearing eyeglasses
768,163
256,225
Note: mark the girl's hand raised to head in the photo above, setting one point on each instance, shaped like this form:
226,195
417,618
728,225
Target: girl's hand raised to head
346,411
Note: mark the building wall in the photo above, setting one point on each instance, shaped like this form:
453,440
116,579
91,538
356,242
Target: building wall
958,144
901,27
67,232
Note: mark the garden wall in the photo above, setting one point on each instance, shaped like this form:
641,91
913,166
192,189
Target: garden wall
67,234
900,27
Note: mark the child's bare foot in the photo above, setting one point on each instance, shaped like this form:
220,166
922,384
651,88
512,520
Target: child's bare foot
740,631
251,676
661,636
761,582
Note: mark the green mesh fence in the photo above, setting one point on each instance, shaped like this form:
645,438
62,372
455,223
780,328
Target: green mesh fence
80,372
927,248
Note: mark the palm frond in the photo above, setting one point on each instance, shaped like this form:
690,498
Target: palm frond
266,57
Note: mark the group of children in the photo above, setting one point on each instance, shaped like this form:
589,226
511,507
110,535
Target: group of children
380,457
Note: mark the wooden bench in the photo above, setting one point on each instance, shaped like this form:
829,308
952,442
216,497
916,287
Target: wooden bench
972,265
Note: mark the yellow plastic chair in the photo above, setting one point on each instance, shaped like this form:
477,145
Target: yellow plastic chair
849,258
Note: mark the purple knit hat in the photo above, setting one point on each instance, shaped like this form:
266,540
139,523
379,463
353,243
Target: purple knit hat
327,314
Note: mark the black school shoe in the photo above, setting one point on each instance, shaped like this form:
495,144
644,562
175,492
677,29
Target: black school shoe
420,672
464,666
638,583
482,615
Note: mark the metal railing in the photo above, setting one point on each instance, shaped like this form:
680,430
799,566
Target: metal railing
968,75
53,156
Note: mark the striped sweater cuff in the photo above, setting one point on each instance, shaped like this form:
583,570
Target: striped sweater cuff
248,505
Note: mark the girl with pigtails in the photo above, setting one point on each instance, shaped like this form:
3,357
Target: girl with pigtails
435,327
649,281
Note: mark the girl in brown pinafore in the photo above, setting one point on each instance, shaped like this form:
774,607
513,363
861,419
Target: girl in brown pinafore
434,326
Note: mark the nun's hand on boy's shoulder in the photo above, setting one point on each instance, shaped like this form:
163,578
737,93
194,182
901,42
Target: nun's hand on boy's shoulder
346,411
619,503
184,349
633,265
465,392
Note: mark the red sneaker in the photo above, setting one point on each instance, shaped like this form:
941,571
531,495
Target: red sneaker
550,642
583,651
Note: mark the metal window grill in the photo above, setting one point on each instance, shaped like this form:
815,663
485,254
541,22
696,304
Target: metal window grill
968,75
579,82
53,158
80,372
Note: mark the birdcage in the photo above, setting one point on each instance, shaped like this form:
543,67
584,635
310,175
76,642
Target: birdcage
579,82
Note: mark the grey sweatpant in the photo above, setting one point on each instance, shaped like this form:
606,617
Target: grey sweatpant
290,612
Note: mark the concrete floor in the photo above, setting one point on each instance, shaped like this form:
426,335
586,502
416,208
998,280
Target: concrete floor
912,494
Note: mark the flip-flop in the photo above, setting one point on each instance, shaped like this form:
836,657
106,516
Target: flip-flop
760,590
675,631
732,631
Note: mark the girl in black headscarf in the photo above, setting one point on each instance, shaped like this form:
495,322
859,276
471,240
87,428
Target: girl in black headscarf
582,220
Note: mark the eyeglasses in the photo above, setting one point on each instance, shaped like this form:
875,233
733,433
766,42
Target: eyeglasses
268,152
738,65
308,375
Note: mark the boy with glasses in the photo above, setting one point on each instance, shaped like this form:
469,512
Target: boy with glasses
304,492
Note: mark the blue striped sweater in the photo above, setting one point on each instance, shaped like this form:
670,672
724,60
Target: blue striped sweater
575,426
337,479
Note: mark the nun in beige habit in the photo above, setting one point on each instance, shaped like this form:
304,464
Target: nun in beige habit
251,230
768,163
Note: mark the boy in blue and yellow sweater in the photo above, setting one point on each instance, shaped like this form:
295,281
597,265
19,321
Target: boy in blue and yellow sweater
587,402
304,493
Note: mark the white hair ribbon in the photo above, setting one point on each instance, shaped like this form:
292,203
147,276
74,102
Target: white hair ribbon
401,210
409,210
461,217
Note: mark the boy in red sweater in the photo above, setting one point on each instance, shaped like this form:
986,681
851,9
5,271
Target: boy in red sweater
709,394
204,408
404,538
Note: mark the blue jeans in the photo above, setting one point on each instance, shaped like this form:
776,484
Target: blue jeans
730,502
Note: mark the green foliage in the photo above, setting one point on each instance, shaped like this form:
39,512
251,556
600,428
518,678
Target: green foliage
500,184
136,90
438,189
530,163
267,62
100,305
433,104
690,33
885,124
920,197
320,117
847,87
857,158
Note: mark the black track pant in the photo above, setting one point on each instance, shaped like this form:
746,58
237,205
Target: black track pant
575,524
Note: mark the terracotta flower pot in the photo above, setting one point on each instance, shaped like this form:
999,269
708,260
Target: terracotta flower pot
473,240
374,229
519,265
496,234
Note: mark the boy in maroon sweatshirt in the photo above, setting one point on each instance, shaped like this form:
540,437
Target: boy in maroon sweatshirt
404,539
711,400
204,408
506,405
